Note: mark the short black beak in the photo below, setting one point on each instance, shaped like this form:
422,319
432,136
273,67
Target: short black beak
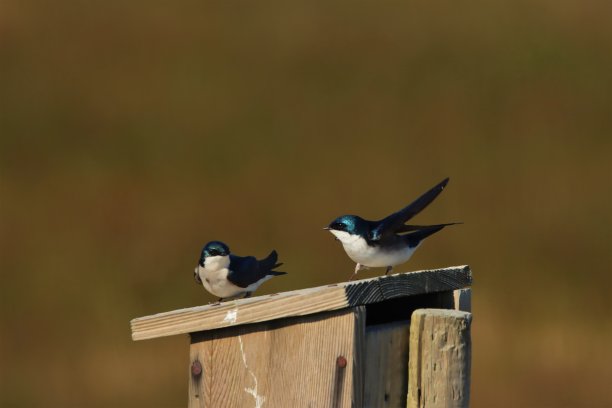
326,228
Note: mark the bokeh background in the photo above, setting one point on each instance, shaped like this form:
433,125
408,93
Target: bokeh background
131,133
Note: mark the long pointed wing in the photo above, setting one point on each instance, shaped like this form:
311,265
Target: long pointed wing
394,222
409,228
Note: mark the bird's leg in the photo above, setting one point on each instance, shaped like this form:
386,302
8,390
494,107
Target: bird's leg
247,295
389,269
352,276
358,267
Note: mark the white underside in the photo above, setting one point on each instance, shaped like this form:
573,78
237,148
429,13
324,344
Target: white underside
360,252
214,278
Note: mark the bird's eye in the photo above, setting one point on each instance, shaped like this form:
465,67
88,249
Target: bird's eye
338,226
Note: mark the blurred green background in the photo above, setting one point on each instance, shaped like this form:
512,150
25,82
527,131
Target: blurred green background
131,133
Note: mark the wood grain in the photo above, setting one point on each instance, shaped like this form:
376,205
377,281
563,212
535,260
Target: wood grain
386,373
300,302
279,365
440,359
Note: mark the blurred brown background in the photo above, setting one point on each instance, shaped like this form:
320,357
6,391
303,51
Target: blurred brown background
133,132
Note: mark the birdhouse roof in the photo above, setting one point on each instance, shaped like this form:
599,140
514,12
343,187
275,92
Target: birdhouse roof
300,302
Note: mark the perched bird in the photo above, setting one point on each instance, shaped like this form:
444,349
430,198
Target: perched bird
227,275
387,242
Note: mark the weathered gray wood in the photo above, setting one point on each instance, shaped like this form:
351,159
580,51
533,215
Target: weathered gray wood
440,359
301,302
386,365
463,299
308,362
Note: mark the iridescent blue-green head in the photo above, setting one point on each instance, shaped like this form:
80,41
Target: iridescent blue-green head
348,224
213,248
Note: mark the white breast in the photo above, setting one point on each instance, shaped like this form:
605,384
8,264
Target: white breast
214,277
360,252
214,263
215,281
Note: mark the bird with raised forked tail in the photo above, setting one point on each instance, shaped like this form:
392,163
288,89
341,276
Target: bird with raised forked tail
388,242
228,276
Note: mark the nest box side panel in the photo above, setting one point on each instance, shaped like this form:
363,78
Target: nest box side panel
309,361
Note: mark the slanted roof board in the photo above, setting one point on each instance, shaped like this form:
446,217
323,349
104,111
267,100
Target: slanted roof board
300,302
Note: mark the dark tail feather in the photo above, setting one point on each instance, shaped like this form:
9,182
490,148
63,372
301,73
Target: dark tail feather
276,273
415,238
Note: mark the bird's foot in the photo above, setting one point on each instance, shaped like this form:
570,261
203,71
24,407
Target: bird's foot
389,269
247,295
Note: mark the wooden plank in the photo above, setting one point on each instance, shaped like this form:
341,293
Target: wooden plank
386,372
440,359
300,302
308,363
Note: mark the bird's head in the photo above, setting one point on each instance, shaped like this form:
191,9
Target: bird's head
213,249
347,227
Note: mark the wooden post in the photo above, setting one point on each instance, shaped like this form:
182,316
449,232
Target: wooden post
440,359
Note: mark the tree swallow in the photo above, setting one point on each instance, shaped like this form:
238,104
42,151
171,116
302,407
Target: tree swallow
227,275
379,243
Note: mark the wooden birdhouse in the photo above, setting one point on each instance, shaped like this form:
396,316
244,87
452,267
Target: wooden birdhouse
380,342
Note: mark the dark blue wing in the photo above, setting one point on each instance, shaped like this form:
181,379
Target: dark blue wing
394,223
410,228
266,265
244,271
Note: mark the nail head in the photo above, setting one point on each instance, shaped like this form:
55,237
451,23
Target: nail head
196,368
